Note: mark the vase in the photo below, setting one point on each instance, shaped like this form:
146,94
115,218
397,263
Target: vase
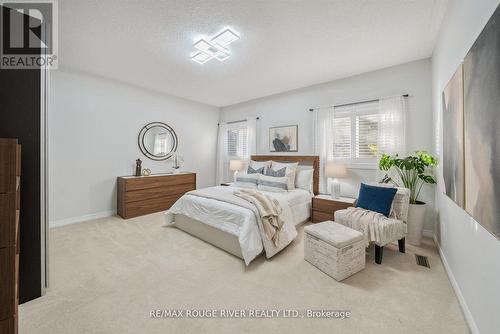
415,223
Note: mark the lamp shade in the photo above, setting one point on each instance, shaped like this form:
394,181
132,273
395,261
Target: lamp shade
335,170
235,165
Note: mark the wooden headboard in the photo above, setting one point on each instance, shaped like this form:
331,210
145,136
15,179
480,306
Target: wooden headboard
309,160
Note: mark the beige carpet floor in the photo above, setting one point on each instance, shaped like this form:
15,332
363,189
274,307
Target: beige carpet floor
107,275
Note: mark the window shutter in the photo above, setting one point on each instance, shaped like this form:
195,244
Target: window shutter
366,136
237,141
355,132
342,137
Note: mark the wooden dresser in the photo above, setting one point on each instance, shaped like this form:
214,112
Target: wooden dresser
324,207
10,176
142,195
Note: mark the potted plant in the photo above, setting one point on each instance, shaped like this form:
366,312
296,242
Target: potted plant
413,174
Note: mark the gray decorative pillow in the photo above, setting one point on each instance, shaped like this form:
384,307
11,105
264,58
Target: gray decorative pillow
276,173
246,180
255,171
271,183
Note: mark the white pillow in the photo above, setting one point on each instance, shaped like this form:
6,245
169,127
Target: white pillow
304,179
260,164
271,183
244,180
291,168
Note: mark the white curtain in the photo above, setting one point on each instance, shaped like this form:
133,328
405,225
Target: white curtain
246,145
221,153
391,128
252,137
323,142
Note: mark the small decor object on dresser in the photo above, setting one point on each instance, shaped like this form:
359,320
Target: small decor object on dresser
176,160
283,138
138,164
324,207
335,249
146,172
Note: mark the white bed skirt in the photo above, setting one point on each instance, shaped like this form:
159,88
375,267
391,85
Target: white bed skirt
224,240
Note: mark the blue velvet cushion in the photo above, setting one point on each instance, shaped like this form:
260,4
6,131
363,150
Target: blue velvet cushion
378,199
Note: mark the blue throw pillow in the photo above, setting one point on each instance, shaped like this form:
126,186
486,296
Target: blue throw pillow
378,199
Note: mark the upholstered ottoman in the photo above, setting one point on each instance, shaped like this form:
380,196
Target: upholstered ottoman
335,249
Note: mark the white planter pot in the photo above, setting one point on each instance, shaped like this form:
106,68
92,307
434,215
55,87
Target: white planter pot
416,216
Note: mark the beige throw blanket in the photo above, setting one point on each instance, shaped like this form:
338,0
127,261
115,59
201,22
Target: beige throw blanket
269,210
370,223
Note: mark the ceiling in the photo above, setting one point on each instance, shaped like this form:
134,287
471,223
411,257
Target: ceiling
284,45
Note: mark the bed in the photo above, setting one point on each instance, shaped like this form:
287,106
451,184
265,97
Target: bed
234,228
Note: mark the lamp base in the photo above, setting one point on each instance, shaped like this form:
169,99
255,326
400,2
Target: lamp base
335,188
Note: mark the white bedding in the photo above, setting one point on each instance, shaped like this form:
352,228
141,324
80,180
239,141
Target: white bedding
239,221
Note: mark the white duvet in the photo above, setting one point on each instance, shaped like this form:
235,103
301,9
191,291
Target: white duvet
237,220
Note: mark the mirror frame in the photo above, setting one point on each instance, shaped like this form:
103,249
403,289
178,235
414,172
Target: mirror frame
142,147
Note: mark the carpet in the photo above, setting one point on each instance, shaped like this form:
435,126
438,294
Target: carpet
107,275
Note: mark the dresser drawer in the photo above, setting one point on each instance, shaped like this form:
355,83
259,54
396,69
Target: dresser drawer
328,205
7,282
158,181
320,216
7,219
149,193
140,208
9,325
8,167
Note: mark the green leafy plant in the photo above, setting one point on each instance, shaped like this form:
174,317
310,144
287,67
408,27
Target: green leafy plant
411,170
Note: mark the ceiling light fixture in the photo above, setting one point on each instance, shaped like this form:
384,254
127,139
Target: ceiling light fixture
216,47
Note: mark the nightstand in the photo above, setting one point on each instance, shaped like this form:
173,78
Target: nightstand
324,206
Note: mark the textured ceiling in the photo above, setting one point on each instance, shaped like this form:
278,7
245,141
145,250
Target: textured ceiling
284,45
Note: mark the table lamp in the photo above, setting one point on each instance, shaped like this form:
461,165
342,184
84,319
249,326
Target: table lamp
235,166
335,170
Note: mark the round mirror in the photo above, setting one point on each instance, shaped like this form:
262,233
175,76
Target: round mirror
157,141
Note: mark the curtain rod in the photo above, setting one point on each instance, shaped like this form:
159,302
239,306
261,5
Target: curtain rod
238,121
358,102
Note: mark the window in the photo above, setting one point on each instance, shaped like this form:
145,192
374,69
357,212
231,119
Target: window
355,132
236,143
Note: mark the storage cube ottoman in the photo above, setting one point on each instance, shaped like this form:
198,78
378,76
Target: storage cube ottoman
335,249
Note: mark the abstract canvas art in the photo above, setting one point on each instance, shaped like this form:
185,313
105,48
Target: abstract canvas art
482,127
453,139
283,139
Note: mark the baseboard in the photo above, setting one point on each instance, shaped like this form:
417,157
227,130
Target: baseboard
461,300
79,219
428,233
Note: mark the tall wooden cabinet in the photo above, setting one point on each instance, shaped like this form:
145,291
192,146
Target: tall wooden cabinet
10,176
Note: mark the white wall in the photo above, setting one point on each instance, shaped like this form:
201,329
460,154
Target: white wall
94,123
470,253
293,108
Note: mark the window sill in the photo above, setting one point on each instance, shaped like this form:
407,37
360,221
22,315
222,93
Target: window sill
361,165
